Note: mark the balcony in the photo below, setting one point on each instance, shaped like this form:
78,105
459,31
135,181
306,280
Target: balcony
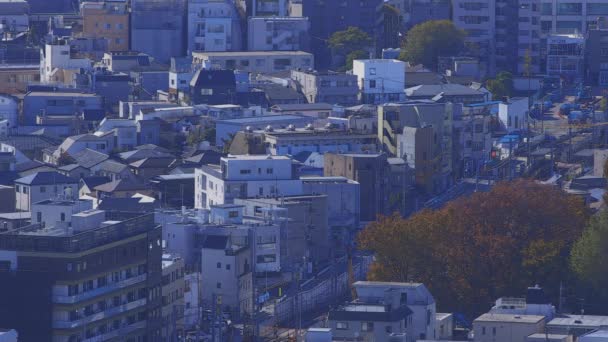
99,291
125,330
100,315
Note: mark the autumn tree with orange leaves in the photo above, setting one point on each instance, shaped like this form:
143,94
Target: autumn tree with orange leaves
479,248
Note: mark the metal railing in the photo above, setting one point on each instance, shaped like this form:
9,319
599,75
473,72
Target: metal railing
99,291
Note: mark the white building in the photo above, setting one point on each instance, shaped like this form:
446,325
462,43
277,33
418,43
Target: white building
380,80
417,298
42,186
535,303
513,114
57,57
278,34
100,142
53,212
256,61
491,327
245,176
125,132
9,109
213,25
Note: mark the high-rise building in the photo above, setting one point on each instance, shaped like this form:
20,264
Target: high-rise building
278,33
158,28
81,276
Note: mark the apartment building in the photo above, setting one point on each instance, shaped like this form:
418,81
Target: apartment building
14,16
158,28
213,26
245,176
173,287
41,186
421,133
278,34
597,54
256,61
264,8
57,57
478,19
85,278
108,20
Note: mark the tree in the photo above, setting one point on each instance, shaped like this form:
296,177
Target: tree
357,54
198,135
501,86
343,43
428,41
481,247
590,251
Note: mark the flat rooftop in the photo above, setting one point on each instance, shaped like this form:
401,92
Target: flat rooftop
509,318
365,308
580,320
251,53
265,118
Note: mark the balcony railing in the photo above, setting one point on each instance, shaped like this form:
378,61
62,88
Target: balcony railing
100,315
122,331
99,291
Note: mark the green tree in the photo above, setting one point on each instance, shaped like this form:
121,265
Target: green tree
481,247
501,86
590,253
198,135
428,41
343,43
357,54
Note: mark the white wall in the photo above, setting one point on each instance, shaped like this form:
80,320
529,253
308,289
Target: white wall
514,114
388,75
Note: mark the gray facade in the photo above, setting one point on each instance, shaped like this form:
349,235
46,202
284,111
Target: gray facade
327,87
49,103
158,28
278,33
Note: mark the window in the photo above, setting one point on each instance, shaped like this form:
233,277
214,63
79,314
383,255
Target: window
483,330
17,188
342,326
25,190
372,71
245,172
219,265
494,331
228,267
38,217
42,189
367,326
269,171
218,285
388,329
233,214
62,217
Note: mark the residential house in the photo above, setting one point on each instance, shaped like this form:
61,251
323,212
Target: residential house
385,309
37,103
74,171
327,87
214,87
87,185
42,186
514,114
103,143
125,132
148,168
121,188
380,80
113,170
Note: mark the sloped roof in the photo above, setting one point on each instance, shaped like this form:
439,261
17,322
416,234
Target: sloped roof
45,178
120,185
142,154
112,166
88,158
153,163
125,204
93,181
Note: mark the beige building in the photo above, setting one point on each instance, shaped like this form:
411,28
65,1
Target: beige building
109,20
492,327
256,61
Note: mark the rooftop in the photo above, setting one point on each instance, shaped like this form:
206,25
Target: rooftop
265,119
580,320
67,241
251,53
509,318
45,178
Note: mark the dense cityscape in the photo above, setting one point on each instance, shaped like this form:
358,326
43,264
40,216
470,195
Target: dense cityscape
303,170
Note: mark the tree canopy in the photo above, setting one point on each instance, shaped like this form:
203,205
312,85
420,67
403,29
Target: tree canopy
349,41
428,41
501,86
590,252
481,247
